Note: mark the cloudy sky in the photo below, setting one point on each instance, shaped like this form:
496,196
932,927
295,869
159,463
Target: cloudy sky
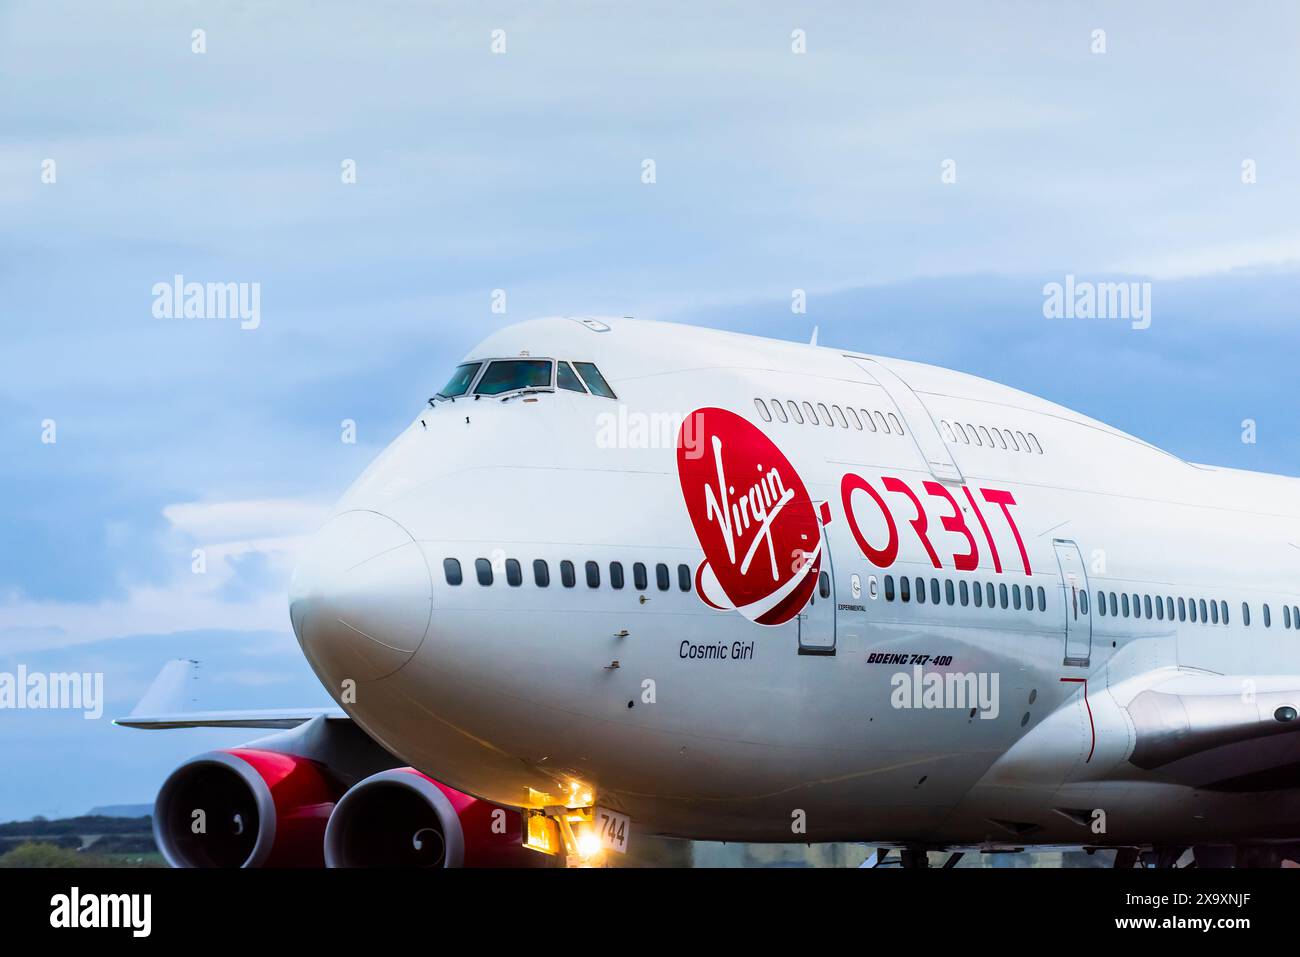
522,171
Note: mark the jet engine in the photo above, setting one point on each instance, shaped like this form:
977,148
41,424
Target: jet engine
402,818
245,807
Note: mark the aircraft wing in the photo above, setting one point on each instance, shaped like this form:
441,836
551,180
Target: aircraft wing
268,718
169,704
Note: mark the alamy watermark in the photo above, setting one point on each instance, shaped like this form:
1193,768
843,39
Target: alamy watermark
1084,299
960,690
179,299
58,691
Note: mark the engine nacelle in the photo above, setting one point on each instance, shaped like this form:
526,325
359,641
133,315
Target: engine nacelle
402,818
258,809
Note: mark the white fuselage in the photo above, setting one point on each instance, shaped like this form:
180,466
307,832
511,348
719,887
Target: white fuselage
697,721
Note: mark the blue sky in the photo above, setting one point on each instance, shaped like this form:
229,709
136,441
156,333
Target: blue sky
522,171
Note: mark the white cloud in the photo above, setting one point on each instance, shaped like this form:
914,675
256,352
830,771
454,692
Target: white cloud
273,528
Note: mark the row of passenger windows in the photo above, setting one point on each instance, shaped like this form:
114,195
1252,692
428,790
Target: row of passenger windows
966,593
1197,610
991,436
486,574
845,418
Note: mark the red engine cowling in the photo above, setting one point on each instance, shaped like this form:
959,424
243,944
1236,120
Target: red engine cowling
259,809
402,818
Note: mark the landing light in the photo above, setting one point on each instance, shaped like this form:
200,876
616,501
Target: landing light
588,844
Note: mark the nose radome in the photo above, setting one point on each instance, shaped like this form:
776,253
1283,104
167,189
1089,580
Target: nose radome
361,597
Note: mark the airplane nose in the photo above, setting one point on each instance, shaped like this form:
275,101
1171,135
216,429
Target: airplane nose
361,597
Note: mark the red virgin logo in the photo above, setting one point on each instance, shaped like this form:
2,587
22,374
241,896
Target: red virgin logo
752,515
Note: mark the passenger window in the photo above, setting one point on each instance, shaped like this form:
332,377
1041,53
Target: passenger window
1024,442
974,434
595,381
1114,606
1101,603
1033,439
920,591
1268,617
1042,599
1011,439
1223,611
684,577
661,576
978,590
541,573
1015,597
866,417
1124,602
839,417
893,420
1182,610
857,423
514,575
794,412
1160,609
1083,602
948,592
934,591
1169,608
824,585
884,426
889,588
765,415
451,569
779,409
826,415
1214,612
639,580
615,574
961,433
1286,615
988,439
567,578
483,568
1146,605
567,379
1202,610
1191,610
1245,614
989,588
593,575
508,375
1002,592
459,382
905,588
964,590
997,434
810,413
947,431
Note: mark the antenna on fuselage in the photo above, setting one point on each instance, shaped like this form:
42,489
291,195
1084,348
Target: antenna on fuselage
813,340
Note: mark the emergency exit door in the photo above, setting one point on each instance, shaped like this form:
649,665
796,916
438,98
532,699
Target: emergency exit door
817,620
1074,599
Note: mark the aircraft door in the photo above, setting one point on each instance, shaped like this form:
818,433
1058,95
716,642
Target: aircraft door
817,620
1075,601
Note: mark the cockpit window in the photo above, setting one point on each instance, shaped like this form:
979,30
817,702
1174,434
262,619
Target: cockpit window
566,378
459,382
509,375
595,381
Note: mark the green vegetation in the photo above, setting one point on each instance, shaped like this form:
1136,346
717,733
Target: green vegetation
86,841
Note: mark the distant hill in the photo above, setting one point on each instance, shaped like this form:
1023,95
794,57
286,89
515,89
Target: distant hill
121,810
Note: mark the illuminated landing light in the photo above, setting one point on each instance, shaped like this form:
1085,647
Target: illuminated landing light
589,847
